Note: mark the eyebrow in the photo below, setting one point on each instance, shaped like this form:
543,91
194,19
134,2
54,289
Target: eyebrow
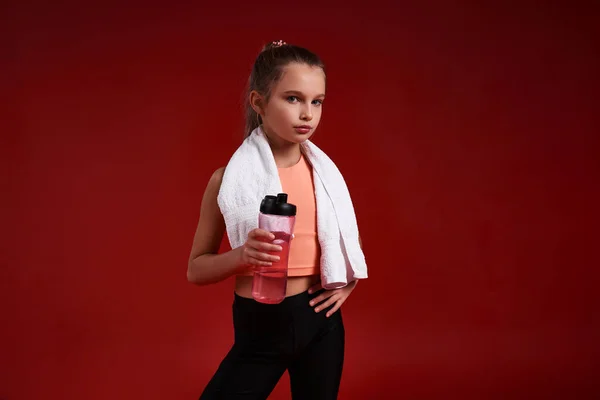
301,94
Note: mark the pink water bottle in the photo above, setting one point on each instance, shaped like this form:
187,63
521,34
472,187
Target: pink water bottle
278,217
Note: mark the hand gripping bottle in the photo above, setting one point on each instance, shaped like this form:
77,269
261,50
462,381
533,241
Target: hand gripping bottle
278,217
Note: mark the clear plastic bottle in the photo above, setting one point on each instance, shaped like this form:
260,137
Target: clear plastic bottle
278,217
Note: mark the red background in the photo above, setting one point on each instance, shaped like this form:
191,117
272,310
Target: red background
467,135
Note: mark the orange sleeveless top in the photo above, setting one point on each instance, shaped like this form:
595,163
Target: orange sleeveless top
305,252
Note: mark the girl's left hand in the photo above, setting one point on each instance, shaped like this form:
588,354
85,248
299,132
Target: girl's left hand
337,296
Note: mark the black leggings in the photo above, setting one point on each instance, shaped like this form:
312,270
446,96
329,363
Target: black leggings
272,338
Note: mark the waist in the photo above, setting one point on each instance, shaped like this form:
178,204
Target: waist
295,284
299,299
292,271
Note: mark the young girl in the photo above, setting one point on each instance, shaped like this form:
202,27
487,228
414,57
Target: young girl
303,334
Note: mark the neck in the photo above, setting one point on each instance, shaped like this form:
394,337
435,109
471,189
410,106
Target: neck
286,154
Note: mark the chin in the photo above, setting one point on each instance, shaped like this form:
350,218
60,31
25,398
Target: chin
301,138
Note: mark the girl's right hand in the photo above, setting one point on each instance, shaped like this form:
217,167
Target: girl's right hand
255,251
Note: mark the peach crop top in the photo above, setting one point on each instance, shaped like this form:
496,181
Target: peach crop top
305,252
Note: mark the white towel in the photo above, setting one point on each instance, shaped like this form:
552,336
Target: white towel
252,173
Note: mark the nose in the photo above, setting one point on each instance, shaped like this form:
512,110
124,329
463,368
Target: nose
306,114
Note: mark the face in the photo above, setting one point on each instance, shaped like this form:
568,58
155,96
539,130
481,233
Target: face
294,108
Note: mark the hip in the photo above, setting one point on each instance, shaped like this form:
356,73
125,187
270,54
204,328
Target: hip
286,327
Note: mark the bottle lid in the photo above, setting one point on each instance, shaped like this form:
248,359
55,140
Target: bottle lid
277,205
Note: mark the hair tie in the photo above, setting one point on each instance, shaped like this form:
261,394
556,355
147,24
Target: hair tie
279,43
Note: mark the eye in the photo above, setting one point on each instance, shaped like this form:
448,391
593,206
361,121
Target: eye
292,99
318,102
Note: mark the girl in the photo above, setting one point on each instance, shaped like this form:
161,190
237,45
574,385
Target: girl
303,334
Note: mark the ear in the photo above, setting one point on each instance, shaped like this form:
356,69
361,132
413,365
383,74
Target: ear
256,102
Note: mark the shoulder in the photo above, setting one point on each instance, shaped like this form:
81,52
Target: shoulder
217,176
214,184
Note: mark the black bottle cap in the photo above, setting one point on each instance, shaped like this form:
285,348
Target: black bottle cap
277,205
267,204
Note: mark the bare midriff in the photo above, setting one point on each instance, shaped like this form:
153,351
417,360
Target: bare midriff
295,284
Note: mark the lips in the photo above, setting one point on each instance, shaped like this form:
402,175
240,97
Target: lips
304,129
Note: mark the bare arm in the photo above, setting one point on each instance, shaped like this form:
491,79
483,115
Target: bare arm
205,265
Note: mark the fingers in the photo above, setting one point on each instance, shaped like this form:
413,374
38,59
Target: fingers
254,261
257,249
255,255
337,297
325,295
259,239
264,247
261,234
336,307
332,299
